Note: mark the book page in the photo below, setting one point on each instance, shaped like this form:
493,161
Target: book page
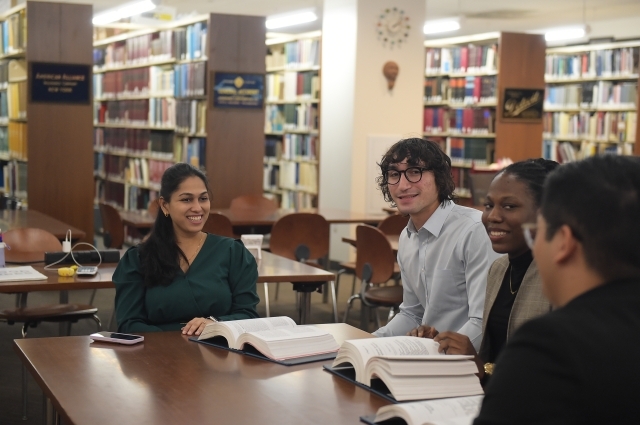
282,334
8,274
264,324
421,412
395,346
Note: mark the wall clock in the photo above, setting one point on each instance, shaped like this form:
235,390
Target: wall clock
393,27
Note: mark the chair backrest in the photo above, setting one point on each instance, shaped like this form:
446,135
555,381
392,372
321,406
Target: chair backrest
297,229
394,224
373,247
253,202
219,224
29,244
113,226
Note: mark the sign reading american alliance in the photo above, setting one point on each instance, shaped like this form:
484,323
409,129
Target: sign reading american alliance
60,83
238,90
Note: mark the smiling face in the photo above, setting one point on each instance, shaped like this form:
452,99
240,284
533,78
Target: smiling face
509,205
188,207
419,200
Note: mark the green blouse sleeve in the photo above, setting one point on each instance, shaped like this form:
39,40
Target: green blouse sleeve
131,313
243,274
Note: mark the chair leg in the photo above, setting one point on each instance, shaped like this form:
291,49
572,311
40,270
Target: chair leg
25,329
98,322
392,312
334,300
277,290
112,319
93,296
266,298
374,311
353,285
349,302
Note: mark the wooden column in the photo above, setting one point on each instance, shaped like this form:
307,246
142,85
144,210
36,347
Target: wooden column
235,137
60,151
521,66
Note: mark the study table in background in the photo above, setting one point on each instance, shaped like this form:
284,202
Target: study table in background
170,380
14,219
255,217
271,268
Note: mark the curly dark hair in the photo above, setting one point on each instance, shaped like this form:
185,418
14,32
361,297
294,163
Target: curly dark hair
532,172
419,153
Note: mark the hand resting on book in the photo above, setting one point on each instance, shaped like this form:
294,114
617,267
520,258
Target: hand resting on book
423,331
195,326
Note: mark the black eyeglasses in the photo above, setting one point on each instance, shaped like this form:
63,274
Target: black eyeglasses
412,174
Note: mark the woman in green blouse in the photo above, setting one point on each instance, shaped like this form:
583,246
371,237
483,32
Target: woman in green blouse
180,274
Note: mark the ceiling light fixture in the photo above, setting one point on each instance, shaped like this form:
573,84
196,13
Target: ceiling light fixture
439,26
281,21
567,33
125,11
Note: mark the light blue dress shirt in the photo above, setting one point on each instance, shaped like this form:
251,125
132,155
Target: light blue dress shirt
444,267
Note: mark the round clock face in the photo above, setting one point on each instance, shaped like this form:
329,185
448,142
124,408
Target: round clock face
393,27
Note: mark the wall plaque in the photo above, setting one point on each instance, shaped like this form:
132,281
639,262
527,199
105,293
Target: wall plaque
238,90
522,104
60,83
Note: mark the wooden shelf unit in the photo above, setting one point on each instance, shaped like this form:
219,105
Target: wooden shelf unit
591,101
44,156
292,142
224,140
515,61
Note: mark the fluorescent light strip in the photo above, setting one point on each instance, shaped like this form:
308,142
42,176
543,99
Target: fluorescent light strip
569,33
124,11
290,20
444,25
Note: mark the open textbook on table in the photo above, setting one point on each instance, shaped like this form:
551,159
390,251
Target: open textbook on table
444,411
277,339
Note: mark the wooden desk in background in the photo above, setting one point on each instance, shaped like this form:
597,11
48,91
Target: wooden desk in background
170,380
271,268
144,221
14,219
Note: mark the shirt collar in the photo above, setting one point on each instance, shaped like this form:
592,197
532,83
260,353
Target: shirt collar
434,224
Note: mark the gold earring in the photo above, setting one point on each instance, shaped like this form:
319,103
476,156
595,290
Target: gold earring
166,214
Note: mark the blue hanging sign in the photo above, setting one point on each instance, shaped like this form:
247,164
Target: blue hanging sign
238,90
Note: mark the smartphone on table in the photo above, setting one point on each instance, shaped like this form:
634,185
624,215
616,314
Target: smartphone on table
116,337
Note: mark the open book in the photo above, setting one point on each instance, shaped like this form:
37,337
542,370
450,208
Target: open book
445,411
275,338
405,368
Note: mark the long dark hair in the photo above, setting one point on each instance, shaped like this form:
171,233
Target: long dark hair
419,153
160,254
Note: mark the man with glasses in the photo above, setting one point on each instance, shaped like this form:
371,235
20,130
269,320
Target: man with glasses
444,253
579,363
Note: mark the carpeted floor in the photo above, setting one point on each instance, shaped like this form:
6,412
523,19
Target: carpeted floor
10,365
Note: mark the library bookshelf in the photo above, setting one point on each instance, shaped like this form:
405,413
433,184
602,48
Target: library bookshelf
43,143
465,81
591,100
153,107
292,140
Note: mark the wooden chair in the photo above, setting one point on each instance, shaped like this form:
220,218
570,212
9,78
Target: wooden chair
375,267
113,226
219,224
302,237
253,202
394,224
29,245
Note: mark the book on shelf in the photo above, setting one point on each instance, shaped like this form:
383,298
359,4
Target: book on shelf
277,339
9,274
14,33
593,63
463,59
406,368
303,53
445,411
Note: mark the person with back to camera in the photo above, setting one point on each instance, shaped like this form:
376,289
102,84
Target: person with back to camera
444,252
579,363
514,288
181,274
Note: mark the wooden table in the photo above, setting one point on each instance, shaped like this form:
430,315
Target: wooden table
14,219
170,380
271,268
143,220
